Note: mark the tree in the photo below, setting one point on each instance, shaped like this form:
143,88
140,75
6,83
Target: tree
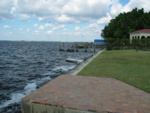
124,23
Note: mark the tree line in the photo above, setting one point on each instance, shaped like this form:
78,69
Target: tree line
127,22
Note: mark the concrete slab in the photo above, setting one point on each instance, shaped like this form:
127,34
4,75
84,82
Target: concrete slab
80,94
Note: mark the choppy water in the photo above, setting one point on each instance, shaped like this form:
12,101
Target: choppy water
25,66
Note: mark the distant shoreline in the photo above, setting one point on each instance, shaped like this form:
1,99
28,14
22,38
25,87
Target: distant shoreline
43,41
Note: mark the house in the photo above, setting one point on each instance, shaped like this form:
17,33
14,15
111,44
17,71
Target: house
140,34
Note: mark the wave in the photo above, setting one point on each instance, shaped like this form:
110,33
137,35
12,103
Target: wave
63,68
16,97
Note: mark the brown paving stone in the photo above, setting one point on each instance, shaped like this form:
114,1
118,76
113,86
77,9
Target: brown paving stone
93,94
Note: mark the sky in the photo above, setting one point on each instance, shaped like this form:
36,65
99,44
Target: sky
60,20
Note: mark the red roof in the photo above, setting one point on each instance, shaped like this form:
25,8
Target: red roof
142,31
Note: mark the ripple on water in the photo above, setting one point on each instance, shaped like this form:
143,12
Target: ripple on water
25,66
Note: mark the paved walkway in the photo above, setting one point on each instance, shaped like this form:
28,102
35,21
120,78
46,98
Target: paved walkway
91,94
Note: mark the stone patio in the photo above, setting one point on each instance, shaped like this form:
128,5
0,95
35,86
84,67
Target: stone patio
90,94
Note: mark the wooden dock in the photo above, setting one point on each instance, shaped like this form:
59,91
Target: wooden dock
75,47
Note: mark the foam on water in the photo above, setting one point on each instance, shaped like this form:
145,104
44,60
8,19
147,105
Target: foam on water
29,88
64,68
45,78
16,97
48,73
42,81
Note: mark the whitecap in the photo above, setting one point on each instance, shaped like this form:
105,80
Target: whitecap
48,73
16,97
29,88
64,68
41,81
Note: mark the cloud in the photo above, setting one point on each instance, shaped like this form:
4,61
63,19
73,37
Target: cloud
36,31
137,3
94,28
48,25
35,25
7,27
28,30
42,27
65,19
5,9
86,8
65,29
77,29
41,9
49,32
104,20
21,29
32,7
115,8
85,17
89,30
68,11
61,27
63,11
24,17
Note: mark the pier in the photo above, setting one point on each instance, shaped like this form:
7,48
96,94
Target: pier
75,47
80,94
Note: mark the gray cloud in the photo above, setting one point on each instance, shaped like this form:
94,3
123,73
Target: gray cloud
67,11
58,10
86,8
6,7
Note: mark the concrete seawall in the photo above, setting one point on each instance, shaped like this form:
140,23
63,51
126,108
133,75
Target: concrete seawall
83,64
41,108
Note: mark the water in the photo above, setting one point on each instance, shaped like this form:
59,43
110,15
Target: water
26,66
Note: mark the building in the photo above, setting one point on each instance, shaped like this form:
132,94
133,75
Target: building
99,41
140,34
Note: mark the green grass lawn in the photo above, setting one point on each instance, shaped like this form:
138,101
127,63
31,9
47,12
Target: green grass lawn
129,66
